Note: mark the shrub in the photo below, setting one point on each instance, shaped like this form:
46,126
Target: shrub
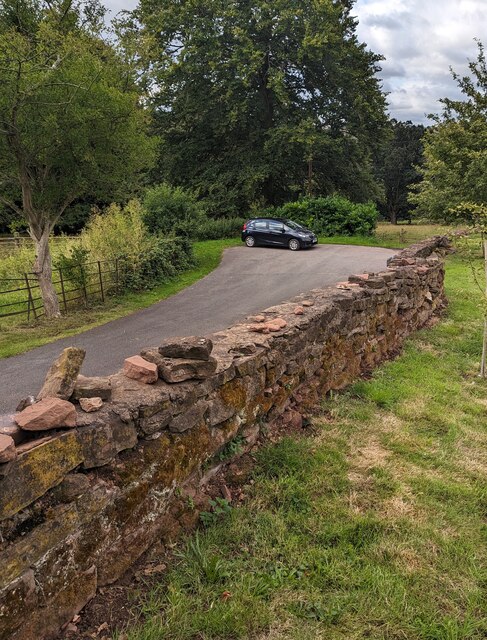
332,215
165,258
74,265
148,259
210,229
117,233
172,210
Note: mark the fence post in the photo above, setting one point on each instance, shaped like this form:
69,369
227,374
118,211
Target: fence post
63,292
101,282
30,299
84,275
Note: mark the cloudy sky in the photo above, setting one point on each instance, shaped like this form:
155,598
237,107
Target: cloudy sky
420,39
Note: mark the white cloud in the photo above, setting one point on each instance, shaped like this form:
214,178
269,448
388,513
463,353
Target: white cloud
421,40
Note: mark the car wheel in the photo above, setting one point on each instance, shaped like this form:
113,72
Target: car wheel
294,244
250,241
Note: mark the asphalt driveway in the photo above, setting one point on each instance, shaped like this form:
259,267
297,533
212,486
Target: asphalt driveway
247,281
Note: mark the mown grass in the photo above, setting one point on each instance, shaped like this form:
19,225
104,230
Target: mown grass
19,338
373,528
391,236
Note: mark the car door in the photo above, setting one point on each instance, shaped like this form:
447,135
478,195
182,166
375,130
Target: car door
276,233
260,231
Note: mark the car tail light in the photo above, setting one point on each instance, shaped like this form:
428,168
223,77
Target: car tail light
244,227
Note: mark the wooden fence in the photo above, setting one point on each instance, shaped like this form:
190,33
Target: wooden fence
8,244
75,286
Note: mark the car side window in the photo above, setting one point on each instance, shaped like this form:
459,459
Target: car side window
260,225
276,226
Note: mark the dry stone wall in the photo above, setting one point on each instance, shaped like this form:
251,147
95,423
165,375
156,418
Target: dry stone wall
79,504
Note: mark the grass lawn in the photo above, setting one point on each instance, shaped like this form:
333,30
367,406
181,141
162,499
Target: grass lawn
372,527
19,338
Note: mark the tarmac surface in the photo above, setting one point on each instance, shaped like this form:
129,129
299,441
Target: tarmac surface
246,282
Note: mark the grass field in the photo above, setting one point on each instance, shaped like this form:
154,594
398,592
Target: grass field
373,527
17,336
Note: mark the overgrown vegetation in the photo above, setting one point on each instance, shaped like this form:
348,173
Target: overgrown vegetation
331,216
373,528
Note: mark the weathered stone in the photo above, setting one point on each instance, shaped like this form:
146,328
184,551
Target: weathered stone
89,405
35,472
298,311
139,369
69,593
189,419
9,428
73,485
259,318
48,413
244,349
28,445
192,348
16,603
156,422
258,328
61,377
92,388
172,370
307,303
102,442
26,402
7,449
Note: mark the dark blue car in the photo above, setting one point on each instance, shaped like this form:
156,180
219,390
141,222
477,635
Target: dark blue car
277,232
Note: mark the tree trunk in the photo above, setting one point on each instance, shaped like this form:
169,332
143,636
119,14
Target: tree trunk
483,363
43,271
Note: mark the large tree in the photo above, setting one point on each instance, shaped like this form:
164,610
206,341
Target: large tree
71,122
455,149
398,167
258,101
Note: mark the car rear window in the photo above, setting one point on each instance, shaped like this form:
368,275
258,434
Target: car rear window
259,225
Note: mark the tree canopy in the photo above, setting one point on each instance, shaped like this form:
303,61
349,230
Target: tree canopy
261,101
71,120
455,166
398,168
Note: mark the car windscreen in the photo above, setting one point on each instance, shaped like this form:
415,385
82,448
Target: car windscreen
294,225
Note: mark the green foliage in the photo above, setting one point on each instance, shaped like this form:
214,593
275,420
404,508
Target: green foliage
331,216
164,259
216,229
117,232
263,101
202,563
232,448
455,167
73,122
172,209
120,233
220,507
398,168
74,265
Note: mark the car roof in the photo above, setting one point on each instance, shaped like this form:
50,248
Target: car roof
267,218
